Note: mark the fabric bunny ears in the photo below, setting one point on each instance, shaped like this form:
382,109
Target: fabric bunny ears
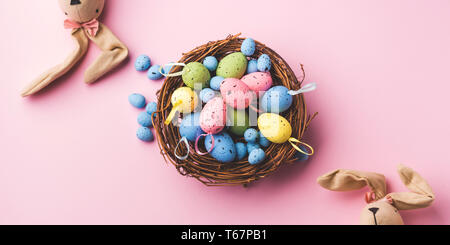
421,195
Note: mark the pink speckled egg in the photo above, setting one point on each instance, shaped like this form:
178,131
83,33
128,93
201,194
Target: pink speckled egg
259,82
236,93
214,116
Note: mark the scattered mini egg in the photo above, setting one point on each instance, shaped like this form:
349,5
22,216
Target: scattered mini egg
252,66
137,100
207,94
232,66
276,100
301,156
142,63
151,107
153,73
145,119
251,135
256,156
224,148
252,146
263,141
145,134
210,63
167,68
216,82
264,63
196,75
241,150
248,47
190,126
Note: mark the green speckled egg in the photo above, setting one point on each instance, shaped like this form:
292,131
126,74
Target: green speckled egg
195,75
238,121
232,66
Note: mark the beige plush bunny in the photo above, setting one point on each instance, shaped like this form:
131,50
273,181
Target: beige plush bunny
381,209
82,20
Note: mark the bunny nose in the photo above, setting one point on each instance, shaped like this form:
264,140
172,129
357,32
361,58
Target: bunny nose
373,210
75,2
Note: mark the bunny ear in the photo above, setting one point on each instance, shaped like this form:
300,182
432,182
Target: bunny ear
420,197
347,180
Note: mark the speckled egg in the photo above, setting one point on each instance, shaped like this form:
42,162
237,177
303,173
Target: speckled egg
216,82
207,94
145,134
248,47
251,135
224,148
264,63
187,97
252,146
151,107
276,100
137,100
213,116
142,63
252,66
263,141
153,73
232,66
275,127
195,75
241,150
190,126
237,121
168,67
145,119
258,81
256,156
210,63
299,156
236,93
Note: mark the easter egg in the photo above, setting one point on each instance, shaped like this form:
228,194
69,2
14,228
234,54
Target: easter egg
236,93
145,134
263,141
237,121
190,126
213,116
167,68
276,100
248,47
187,98
274,127
224,148
153,73
142,63
232,66
256,156
137,100
251,135
252,66
299,156
210,63
258,81
145,119
207,94
264,63
252,146
151,107
195,75
241,150
216,82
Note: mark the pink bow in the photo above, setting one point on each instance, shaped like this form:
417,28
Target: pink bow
91,27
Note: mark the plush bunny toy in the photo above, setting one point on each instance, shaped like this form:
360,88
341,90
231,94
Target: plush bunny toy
82,20
381,209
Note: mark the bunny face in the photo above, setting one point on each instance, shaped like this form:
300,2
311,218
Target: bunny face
380,213
82,10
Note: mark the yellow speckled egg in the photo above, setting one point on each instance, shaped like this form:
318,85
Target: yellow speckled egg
275,127
186,98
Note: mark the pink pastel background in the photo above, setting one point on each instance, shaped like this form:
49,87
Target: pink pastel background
70,155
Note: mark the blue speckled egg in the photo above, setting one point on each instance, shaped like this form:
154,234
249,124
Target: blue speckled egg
190,126
264,63
252,146
276,100
153,73
210,63
145,119
216,82
142,63
137,100
224,148
207,94
151,107
263,141
241,149
248,47
252,66
256,156
167,68
251,135
145,134
300,156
